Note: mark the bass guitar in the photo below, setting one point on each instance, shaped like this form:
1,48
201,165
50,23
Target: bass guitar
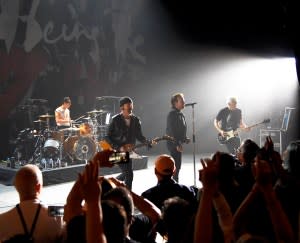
235,133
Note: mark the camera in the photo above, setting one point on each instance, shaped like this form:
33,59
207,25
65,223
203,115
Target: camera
54,211
119,157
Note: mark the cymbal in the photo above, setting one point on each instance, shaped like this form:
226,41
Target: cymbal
38,121
38,100
96,111
70,129
46,116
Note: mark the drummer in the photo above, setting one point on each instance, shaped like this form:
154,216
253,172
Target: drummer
62,114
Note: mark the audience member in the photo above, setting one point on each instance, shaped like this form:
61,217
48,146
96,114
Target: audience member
74,210
211,198
144,219
243,173
287,186
114,222
29,184
277,228
167,187
136,226
178,220
94,218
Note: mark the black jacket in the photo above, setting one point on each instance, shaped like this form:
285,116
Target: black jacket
119,134
176,128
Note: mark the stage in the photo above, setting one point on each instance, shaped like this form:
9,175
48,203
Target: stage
68,173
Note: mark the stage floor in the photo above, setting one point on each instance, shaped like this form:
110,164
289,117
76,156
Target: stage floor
143,179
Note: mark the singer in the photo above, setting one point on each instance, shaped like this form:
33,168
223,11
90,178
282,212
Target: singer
176,128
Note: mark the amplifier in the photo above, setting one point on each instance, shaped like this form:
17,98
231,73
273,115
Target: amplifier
275,135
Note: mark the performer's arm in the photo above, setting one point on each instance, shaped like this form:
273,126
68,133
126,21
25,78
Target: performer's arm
217,125
139,133
243,125
60,119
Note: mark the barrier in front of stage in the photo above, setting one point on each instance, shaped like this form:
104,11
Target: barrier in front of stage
68,173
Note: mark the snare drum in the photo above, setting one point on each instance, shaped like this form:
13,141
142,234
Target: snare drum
51,147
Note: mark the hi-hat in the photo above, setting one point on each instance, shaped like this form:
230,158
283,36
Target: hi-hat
38,121
96,111
46,116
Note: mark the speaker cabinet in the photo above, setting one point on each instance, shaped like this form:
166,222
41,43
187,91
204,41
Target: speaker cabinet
276,136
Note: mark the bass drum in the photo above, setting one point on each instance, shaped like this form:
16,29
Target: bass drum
84,148
69,144
51,148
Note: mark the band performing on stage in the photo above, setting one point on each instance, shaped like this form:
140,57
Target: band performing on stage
58,140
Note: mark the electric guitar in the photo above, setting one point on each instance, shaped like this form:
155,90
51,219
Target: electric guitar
235,133
131,147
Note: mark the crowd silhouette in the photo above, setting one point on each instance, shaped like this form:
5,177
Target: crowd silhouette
250,197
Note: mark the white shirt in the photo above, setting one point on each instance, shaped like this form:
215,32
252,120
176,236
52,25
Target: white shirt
47,229
65,114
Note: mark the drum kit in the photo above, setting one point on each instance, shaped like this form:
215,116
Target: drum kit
51,148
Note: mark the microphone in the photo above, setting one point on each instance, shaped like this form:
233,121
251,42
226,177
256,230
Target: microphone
190,104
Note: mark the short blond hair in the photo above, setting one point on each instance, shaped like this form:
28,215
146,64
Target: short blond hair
231,99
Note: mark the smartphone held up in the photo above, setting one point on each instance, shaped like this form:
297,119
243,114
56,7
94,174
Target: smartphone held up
119,157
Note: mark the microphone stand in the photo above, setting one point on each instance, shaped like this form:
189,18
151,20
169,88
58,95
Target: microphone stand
194,140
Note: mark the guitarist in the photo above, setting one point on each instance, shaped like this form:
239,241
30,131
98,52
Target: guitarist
230,118
123,130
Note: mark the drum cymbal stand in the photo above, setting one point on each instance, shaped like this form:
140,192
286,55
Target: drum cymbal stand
94,124
38,152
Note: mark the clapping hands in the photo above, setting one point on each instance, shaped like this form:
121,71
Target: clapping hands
208,174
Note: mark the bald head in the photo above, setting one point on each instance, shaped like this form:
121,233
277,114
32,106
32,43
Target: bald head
28,182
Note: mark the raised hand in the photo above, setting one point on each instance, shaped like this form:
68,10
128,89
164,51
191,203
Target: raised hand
208,174
102,158
262,172
269,145
89,182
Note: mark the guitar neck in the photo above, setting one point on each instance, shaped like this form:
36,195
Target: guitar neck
154,140
255,125
140,145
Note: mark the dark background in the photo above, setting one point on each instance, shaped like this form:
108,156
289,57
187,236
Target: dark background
175,37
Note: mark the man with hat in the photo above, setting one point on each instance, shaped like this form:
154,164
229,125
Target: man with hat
123,131
166,186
